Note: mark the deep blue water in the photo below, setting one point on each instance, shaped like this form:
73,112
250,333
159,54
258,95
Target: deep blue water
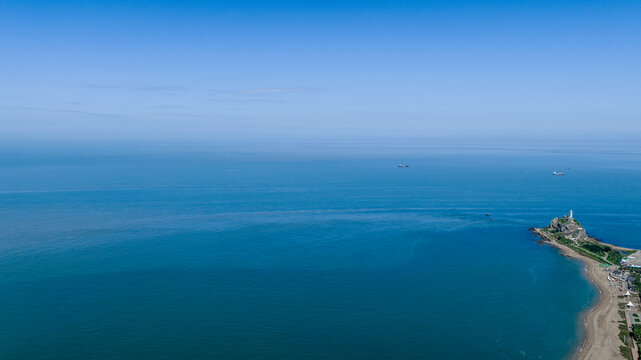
249,256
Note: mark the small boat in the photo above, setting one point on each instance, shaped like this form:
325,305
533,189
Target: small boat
403,165
557,173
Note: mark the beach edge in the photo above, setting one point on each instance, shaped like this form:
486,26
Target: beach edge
587,348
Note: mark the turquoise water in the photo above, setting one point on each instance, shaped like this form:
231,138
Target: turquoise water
250,256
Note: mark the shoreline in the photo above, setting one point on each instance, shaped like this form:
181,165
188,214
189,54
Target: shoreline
591,313
583,316
601,321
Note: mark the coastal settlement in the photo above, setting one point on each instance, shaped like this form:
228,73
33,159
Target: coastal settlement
613,326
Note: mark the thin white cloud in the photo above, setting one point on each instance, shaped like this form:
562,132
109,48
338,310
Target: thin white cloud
262,91
170,107
71,111
244,100
152,88
253,95
268,91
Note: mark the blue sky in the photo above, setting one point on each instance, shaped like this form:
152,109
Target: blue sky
277,70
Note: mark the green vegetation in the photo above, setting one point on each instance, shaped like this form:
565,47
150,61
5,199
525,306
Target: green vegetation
615,257
635,315
596,248
588,254
563,220
636,332
565,241
624,335
591,250
626,352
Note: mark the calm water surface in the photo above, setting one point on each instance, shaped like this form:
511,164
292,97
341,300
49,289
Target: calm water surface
237,256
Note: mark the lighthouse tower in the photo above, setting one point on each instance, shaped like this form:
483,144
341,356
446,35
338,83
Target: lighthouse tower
570,214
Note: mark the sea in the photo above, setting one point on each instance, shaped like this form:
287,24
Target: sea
310,253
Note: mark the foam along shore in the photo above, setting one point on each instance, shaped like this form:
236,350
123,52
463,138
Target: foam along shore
610,322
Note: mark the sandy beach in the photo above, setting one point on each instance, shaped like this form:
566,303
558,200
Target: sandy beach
602,320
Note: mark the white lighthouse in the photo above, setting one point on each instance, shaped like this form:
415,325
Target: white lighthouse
570,214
